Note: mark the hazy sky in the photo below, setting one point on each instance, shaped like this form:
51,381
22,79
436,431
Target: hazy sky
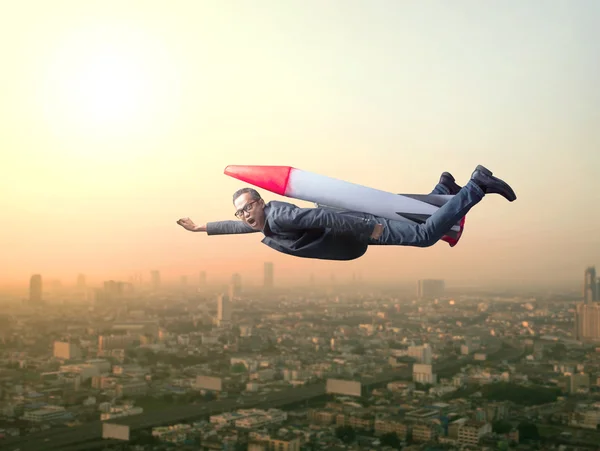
118,118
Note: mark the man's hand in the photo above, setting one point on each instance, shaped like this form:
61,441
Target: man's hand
188,224
377,231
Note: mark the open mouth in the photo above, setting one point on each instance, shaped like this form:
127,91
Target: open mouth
251,221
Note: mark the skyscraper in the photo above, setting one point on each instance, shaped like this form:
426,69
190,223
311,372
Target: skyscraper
155,279
587,322
421,353
587,313
81,281
35,289
223,310
268,281
236,285
590,286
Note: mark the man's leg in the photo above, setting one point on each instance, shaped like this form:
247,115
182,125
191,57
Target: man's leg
401,233
440,189
446,185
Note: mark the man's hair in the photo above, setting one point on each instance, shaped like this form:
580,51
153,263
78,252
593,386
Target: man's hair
253,194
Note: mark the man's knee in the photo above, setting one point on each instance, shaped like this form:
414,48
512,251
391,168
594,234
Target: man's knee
426,242
426,238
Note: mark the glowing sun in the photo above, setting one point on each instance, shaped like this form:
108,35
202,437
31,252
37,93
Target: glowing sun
109,79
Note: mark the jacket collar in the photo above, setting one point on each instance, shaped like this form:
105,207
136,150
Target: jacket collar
266,229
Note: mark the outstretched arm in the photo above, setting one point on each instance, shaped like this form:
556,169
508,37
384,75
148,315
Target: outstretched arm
318,218
216,228
227,228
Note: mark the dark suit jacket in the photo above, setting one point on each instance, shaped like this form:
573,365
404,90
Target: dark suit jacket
307,232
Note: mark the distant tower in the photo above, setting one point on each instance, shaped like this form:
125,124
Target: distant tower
81,281
268,281
35,289
590,286
155,279
236,285
223,309
587,322
202,279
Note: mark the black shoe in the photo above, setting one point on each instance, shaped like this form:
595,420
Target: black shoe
449,182
484,178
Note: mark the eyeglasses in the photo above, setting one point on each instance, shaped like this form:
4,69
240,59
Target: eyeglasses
246,208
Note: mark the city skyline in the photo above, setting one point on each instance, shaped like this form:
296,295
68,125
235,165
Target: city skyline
201,278
234,287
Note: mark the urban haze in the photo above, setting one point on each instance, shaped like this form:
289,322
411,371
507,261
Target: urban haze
149,364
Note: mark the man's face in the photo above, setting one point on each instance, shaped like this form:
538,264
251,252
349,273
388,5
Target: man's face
251,211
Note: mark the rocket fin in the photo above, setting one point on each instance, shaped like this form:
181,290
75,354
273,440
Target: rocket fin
453,237
436,200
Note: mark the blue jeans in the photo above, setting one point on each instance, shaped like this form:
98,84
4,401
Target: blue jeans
400,233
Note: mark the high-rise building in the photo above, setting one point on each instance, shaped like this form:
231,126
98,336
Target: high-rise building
236,285
35,289
223,310
590,286
422,354
66,350
424,374
587,322
268,281
430,289
155,279
202,279
81,281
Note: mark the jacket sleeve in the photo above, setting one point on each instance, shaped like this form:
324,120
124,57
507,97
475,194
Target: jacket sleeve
318,218
228,228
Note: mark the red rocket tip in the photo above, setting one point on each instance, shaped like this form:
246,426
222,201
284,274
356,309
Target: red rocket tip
272,178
